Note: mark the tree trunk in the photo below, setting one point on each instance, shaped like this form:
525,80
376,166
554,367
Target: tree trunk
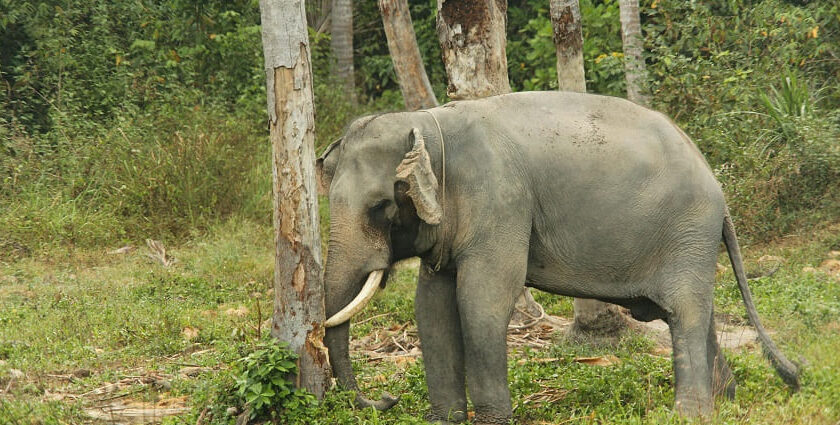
342,45
592,317
568,38
472,41
634,63
298,289
402,43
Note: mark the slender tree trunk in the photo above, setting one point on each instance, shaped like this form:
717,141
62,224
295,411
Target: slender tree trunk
402,43
634,63
592,317
472,40
342,45
298,288
568,38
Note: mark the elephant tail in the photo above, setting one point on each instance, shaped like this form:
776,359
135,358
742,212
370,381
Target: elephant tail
787,370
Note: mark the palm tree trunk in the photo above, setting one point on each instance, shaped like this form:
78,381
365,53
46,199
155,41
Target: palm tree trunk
402,43
568,39
633,43
342,45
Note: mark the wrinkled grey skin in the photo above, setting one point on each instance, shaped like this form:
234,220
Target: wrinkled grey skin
574,194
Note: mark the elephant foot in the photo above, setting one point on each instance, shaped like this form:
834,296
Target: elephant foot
691,407
725,387
490,419
452,418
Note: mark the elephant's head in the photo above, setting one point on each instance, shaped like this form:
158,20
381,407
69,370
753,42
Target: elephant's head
382,190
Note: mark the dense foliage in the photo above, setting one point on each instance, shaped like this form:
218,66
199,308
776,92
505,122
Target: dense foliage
122,120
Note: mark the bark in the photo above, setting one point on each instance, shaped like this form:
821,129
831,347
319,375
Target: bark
633,43
595,318
568,39
402,43
472,41
342,45
298,288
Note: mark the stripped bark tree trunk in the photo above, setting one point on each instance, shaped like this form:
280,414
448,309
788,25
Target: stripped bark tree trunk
633,43
298,288
342,45
402,43
592,317
568,39
472,40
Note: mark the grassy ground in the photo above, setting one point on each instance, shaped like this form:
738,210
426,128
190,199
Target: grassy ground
88,328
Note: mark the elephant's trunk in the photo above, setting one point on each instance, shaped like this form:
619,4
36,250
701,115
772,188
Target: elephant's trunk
337,340
339,293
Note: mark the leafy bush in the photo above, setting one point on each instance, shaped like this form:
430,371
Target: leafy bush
262,382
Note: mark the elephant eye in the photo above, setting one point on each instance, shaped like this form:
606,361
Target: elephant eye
379,211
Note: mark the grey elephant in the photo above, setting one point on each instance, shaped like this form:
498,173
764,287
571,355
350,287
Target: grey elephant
574,194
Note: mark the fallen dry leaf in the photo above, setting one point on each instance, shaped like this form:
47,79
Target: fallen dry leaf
124,250
607,360
539,361
404,360
834,254
189,333
809,269
158,252
241,311
661,352
771,259
831,266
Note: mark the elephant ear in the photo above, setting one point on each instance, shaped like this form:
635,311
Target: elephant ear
416,170
325,167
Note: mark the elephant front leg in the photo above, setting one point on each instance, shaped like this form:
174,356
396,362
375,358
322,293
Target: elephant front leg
439,326
487,291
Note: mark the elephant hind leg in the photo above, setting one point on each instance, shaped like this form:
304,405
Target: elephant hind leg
692,372
723,380
688,299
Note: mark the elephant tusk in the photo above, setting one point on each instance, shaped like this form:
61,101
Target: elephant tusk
358,303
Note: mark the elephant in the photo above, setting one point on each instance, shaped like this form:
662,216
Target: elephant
574,194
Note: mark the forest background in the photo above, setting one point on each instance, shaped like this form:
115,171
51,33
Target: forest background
120,120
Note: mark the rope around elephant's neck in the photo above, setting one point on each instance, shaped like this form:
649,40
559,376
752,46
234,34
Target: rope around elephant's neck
443,183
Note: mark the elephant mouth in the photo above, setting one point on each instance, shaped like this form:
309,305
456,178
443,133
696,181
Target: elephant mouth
371,285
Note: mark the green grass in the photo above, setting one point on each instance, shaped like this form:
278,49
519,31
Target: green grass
63,311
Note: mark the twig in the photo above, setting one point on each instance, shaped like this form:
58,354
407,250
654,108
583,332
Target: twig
372,317
200,420
534,320
398,344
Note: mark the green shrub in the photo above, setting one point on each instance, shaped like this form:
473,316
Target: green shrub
262,382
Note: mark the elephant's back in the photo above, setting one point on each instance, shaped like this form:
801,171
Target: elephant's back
605,174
